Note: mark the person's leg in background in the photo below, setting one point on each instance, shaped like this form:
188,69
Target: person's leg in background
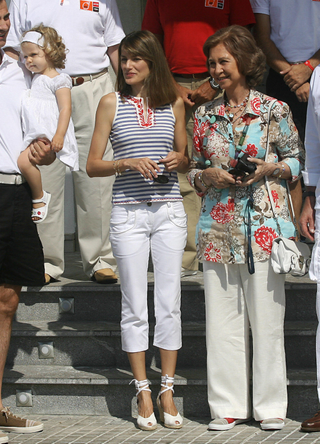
51,230
93,195
191,202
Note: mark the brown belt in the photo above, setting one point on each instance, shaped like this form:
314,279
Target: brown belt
79,80
199,75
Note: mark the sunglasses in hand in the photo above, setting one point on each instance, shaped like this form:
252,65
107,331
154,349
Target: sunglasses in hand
161,178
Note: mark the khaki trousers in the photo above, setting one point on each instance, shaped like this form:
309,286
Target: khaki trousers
92,195
191,202
236,300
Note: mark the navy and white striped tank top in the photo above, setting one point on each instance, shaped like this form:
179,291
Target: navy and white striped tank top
133,136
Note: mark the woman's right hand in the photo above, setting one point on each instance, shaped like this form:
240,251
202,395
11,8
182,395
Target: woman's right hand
218,178
147,167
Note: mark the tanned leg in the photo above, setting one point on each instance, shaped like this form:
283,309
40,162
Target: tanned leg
168,367
138,367
9,300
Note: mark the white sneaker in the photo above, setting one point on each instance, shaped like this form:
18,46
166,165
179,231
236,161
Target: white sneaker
225,423
272,424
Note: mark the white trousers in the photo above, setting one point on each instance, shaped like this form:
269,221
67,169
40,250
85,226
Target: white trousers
134,231
234,300
92,195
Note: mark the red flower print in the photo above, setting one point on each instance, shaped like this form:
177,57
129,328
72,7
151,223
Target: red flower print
275,198
212,254
221,110
221,212
199,133
252,150
203,127
264,237
196,135
255,104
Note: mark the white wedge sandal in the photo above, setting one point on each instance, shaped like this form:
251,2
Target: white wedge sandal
170,421
149,423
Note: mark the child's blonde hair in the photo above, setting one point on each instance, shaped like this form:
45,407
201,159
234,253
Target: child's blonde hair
53,46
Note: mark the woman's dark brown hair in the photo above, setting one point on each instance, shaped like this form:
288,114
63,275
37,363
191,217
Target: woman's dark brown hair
159,86
242,46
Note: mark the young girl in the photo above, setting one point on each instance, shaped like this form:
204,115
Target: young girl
46,109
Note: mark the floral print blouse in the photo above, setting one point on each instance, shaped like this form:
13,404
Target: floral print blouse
221,230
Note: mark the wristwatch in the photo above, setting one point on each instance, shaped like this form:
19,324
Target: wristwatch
213,83
276,172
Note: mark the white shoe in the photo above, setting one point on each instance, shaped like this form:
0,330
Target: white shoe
272,424
149,423
225,423
170,421
41,212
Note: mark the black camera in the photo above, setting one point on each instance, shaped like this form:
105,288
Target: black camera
243,167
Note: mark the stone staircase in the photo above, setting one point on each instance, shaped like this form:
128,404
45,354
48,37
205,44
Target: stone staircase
65,355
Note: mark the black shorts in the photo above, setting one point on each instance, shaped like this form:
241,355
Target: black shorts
21,255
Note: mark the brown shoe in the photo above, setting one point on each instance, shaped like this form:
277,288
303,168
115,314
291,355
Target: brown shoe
312,424
105,276
47,279
12,423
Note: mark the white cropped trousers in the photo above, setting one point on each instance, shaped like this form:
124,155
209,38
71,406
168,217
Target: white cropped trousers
135,230
234,300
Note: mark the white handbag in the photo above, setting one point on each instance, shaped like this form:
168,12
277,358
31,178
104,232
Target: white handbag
287,255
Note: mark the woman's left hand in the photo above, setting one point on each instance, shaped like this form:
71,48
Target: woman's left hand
263,169
172,160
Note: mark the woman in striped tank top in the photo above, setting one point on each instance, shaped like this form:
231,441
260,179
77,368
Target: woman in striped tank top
146,126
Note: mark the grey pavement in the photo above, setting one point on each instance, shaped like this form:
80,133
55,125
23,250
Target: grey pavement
102,430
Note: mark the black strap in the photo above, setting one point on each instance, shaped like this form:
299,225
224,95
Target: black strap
247,215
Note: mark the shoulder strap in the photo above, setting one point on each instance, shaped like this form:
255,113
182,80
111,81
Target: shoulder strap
267,179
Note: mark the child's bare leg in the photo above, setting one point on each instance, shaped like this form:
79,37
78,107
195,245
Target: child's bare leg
31,174
40,198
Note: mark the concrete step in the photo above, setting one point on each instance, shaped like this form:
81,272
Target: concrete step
86,301
300,299
90,343
99,344
100,391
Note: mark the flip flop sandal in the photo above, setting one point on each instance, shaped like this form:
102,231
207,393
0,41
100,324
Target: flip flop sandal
41,212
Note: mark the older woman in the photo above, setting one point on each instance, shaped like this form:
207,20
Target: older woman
236,229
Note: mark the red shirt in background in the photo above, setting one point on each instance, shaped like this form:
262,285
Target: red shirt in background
186,24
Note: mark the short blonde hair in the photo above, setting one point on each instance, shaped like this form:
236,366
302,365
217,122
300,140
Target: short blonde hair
53,46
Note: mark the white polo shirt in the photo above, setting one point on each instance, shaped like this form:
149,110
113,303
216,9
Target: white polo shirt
14,80
88,28
295,26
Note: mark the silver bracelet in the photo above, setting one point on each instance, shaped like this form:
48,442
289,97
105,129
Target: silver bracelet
202,181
